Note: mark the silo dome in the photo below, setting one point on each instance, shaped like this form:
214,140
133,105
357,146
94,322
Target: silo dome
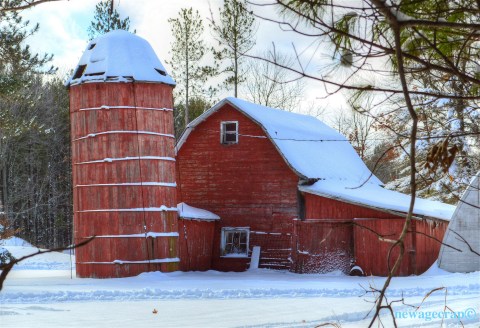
119,56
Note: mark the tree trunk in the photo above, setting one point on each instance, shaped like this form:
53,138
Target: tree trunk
3,189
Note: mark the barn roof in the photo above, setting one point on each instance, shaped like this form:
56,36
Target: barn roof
315,151
119,56
312,149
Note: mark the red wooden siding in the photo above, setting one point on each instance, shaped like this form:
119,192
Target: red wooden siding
247,184
323,246
109,177
324,241
428,248
317,207
195,244
371,253
330,236
420,251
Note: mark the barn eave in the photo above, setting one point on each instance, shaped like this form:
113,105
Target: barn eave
365,205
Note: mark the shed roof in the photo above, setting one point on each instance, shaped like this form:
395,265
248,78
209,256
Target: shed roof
312,149
119,56
376,196
186,211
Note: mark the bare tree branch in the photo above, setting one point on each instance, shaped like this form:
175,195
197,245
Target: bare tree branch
24,5
9,266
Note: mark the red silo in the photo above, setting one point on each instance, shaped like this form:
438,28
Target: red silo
121,110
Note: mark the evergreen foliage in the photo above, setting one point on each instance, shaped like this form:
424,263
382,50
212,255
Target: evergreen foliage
107,19
196,107
34,139
235,32
16,57
439,53
188,51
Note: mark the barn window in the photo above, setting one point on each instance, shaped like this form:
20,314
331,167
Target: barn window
229,132
235,242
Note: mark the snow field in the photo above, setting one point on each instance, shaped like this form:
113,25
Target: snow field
41,293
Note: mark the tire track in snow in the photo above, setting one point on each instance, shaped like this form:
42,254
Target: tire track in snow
164,294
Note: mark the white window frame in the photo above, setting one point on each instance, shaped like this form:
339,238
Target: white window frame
224,133
224,242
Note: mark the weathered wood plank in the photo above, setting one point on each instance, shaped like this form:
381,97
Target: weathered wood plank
106,138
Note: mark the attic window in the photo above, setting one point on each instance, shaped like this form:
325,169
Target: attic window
79,72
92,46
235,242
229,132
161,72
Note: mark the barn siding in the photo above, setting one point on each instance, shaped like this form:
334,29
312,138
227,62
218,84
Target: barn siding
420,251
247,184
371,253
102,154
323,246
195,244
330,235
318,207
428,248
324,242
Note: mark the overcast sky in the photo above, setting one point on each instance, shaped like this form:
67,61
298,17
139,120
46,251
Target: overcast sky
63,32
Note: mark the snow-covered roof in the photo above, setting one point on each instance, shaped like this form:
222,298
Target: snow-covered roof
312,149
376,196
119,56
315,151
189,212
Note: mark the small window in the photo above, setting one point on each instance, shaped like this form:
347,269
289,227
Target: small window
235,242
229,132
79,72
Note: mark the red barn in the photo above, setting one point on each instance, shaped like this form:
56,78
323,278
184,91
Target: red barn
282,185
295,187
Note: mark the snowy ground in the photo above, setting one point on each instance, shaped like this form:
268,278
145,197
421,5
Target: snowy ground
41,293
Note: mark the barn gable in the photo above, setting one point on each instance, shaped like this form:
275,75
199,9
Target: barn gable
247,184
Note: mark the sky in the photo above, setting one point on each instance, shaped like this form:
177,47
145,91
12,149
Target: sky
63,33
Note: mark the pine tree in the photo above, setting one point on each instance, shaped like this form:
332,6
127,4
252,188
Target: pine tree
107,19
196,107
188,50
16,58
448,124
235,33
